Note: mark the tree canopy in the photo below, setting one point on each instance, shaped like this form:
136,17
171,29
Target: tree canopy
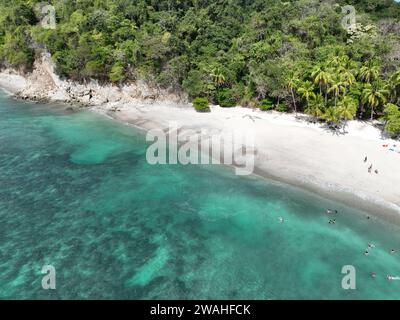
295,53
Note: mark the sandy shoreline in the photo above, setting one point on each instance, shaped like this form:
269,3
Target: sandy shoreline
297,152
12,83
290,150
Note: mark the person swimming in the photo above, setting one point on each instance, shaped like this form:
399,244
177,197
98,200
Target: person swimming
392,251
281,220
366,253
371,245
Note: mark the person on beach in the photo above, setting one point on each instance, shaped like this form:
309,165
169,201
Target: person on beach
376,171
366,159
370,168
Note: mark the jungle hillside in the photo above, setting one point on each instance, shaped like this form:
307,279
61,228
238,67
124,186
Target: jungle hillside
289,56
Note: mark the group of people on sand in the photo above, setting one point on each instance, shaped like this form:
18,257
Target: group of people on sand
392,148
370,167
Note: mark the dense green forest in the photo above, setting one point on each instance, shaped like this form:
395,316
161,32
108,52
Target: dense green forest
290,56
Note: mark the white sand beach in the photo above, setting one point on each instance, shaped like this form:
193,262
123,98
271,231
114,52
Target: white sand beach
288,149
296,151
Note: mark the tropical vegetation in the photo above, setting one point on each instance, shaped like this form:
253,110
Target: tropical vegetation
290,56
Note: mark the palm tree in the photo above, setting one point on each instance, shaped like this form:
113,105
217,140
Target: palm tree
218,77
369,73
347,77
335,61
346,62
323,79
306,90
331,116
355,91
314,72
374,96
316,107
347,109
292,83
337,88
393,86
389,111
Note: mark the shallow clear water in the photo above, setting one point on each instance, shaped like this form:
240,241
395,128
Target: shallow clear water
76,193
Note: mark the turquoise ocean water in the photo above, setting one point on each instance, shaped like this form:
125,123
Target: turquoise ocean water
77,193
